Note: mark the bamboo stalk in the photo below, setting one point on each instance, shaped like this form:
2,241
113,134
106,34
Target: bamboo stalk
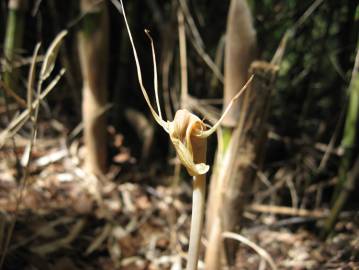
235,175
240,51
339,203
345,183
13,40
93,50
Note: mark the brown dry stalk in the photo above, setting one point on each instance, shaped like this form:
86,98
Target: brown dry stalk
183,57
260,251
240,51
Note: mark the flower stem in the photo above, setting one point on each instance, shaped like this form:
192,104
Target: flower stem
199,194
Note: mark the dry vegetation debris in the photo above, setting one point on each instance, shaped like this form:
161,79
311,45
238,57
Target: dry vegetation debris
68,220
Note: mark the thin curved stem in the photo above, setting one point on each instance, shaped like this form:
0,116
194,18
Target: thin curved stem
158,119
155,76
209,132
260,251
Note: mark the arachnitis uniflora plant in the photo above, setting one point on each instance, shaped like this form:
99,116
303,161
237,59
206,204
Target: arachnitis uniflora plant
188,134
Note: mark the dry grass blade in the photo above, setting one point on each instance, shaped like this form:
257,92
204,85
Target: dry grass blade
51,55
261,252
31,77
20,120
155,79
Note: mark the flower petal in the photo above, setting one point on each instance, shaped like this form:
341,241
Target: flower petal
186,158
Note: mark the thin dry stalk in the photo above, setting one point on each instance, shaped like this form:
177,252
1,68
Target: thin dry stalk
288,211
198,43
20,120
260,251
183,58
31,79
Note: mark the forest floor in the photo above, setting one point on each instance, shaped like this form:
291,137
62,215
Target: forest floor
67,219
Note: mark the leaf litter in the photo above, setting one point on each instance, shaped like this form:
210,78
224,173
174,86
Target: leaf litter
63,224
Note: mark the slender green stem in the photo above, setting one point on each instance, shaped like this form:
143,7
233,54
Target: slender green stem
345,184
13,41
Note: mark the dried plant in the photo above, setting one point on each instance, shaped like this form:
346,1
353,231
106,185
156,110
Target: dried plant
188,134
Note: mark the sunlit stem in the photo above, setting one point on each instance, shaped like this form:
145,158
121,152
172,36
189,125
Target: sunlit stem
199,193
